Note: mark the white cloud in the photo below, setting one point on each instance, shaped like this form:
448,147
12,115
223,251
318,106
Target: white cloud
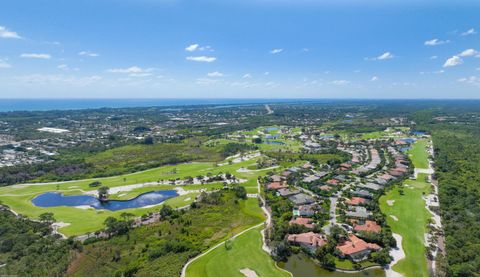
4,64
470,80
206,81
435,41
206,59
385,56
35,56
305,50
266,73
468,53
131,70
88,54
247,76
44,79
276,51
63,67
340,82
453,61
433,57
374,78
469,32
140,74
215,74
5,33
197,47
191,47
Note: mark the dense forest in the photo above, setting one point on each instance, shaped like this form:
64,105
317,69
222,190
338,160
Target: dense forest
457,162
27,248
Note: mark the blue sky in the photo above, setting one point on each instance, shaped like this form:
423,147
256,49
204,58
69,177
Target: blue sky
239,49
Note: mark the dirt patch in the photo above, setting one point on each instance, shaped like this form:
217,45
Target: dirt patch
247,272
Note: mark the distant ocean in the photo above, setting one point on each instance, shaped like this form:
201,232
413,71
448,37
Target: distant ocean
7,105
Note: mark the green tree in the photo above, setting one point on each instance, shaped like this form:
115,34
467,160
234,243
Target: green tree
103,193
47,218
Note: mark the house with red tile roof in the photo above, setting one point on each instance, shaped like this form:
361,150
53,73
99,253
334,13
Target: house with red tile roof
333,182
309,240
325,188
354,201
304,221
368,226
276,186
356,248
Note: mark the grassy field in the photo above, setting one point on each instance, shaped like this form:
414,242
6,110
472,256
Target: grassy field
150,251
412,216
18,197
245,252
419,155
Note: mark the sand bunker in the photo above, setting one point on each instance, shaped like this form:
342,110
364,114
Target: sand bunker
390,202
247,272
394,217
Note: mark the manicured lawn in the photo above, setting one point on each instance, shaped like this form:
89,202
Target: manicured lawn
412,217
246,252
18,197
418,154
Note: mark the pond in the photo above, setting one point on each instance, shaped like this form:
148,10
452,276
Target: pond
274,142
55,199
302,266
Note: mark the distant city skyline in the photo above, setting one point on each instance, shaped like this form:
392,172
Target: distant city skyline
239,49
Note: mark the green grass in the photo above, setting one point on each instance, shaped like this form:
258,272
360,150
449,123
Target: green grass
412,215
411,225
245,252
419,155
18,197
197,229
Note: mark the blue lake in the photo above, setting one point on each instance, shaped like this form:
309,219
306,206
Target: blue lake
55,199
274,142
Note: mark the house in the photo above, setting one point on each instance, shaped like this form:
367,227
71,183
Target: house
371,186
325,188
367,226
286,173
304,210
276,186
276,178
301,199
356,248
310,178
362,193
309,240
357,212
307,222
307,165
287,192
354,201
333,182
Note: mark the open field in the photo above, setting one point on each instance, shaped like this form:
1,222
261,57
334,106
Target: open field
18,197
245,252
412,216
144,248
419,155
